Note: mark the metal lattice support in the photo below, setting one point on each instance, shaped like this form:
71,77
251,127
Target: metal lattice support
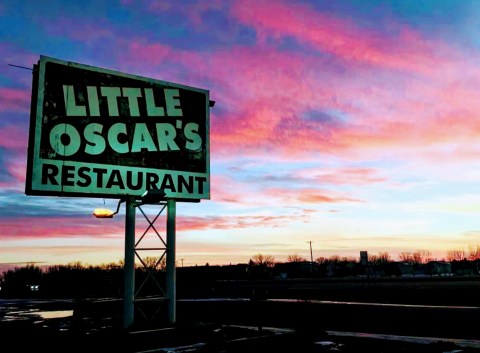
133,250
150,271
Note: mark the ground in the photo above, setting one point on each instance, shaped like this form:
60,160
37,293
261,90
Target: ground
25,326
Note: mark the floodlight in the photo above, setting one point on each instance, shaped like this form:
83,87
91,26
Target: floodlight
103,213
106,213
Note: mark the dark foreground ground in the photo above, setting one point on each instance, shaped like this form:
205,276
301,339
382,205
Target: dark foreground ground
67,335
391,317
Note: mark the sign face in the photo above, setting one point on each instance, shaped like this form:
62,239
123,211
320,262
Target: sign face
101,133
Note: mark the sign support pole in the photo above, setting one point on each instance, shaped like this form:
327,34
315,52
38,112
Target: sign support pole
171,282
129,266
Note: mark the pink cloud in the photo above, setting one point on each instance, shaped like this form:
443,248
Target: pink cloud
60,227
226,189
341,37
193,12
14,137
153,54
263,92
253,91
341,176
156,55
53,227
308,195
312,196
78,29
14,100
17,55
417,91
87,31
16,168
261,113
436,106
232,222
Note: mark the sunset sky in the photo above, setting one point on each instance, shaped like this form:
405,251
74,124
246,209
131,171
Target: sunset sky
351,124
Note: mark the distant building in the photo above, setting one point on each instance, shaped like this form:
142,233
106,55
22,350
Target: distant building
439,268
299,269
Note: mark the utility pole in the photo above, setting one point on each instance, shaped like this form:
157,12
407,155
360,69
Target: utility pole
311,256
311,253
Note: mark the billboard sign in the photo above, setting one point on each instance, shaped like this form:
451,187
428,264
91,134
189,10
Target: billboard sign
95,132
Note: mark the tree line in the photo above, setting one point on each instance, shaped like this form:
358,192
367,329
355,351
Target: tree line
106,280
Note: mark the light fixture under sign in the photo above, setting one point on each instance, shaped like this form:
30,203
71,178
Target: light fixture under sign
105,212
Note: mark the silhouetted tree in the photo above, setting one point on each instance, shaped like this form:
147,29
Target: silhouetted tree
295,258
263,260
456,255
155,263
321,260
416,257
421,257
379,264
474,253
384,257
260,266
334,259
405,256
111,266
18,280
